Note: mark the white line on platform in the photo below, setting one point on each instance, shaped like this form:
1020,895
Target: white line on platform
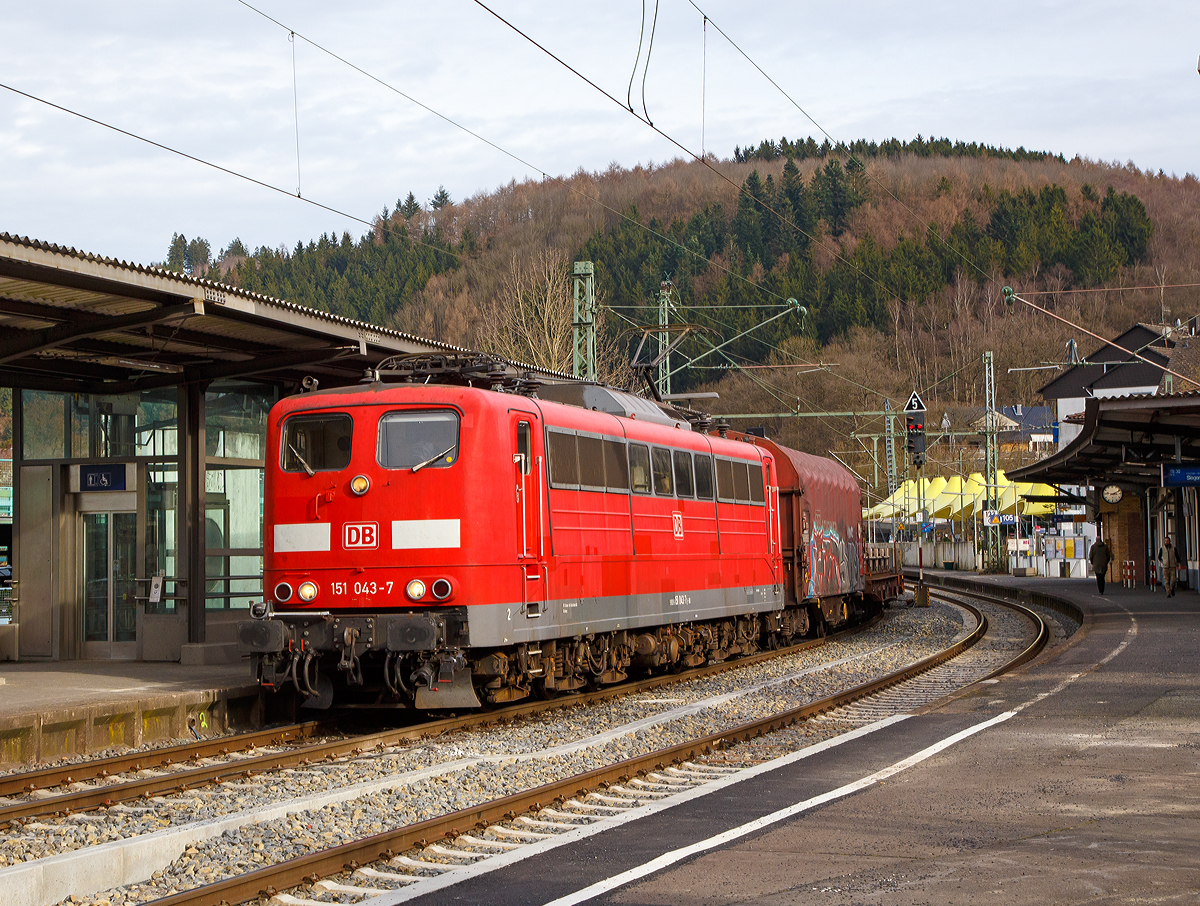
677,855
432,885
82,872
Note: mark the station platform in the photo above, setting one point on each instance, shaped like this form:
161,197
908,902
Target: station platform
59,708
1072,780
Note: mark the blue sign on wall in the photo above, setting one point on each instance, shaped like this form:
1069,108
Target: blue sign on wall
1180,476
102,478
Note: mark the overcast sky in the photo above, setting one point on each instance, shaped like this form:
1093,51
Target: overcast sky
1106,80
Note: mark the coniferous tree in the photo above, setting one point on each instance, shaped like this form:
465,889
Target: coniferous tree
237,248
177,253
409,208
197,257
441,199
747,222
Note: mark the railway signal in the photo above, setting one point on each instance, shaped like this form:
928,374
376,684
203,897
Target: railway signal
914,439
914,434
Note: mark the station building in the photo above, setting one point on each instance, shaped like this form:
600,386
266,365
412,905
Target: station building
1129,436
139,415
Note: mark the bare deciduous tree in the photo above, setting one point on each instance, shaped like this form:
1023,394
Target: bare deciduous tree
533,317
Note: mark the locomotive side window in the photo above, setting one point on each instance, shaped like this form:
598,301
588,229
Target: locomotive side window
756,482
683,473
316,443
704,477
564,465
725,480
616,469
639,468
661,460
524,447
418,440
591,463
741,482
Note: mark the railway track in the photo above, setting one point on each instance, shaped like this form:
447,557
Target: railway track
66,789
412,858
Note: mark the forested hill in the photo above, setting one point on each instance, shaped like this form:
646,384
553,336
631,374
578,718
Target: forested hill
895,253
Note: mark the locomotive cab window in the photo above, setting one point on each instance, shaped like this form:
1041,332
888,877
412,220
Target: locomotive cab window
525,447
639,469
316,443
418,440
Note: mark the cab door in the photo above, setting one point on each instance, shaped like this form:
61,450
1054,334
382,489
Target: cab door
528,473
771,499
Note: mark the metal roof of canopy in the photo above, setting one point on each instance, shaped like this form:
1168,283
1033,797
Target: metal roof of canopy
1125,440
82,323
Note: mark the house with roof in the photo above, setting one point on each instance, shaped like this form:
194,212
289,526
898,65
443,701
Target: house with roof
1020,427
1114,370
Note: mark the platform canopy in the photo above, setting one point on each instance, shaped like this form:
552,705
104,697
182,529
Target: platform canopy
77,322
89,343
1125,441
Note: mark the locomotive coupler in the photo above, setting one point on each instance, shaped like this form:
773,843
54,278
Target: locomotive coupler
349,661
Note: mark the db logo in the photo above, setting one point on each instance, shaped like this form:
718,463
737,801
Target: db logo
360,535
677,524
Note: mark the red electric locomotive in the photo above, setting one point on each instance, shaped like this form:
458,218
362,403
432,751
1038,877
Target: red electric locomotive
460,537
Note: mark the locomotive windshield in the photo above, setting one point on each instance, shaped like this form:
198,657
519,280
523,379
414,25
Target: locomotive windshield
418,440
316,443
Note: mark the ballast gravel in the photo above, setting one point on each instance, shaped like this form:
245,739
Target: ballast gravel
493,761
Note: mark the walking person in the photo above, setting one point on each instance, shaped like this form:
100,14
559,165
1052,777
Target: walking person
1169,559
1100,558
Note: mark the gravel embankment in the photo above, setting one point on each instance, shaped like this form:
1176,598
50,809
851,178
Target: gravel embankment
469,767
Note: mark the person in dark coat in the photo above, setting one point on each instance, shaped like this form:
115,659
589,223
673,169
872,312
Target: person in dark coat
1100,558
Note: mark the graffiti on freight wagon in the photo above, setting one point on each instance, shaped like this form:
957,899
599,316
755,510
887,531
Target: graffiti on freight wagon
831,558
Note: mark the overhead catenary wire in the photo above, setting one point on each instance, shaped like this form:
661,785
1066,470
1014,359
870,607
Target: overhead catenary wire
1108,289
295,108
649,50
928,225
1136,355
741,190
703,82
637,59
594,199
215,166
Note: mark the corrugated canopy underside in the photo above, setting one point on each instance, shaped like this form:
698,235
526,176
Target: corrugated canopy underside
77,322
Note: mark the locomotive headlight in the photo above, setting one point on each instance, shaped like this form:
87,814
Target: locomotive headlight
360,484
307,591
415,589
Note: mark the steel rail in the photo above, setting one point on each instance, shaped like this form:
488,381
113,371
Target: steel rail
43,778
123,791
268,881
1041,639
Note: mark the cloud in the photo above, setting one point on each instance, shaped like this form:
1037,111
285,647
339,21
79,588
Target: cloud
1108,81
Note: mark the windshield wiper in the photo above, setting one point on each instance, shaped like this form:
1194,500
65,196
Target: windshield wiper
307,467
433,459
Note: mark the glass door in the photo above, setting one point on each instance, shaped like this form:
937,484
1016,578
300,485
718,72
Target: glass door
108,552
